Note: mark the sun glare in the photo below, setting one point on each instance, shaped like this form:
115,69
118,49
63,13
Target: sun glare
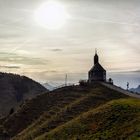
51,15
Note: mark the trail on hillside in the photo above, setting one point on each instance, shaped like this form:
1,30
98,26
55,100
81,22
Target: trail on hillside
113,87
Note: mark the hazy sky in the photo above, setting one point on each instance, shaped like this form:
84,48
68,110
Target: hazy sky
112,26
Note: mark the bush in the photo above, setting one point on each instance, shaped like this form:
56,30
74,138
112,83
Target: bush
83,83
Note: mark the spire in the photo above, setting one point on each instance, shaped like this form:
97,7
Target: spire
95,50
96,58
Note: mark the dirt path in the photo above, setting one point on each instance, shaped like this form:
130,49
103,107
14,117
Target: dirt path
121,90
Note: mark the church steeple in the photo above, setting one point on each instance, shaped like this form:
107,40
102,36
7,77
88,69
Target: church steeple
97,72
96,58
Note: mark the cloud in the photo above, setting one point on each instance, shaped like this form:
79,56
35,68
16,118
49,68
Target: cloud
10,67
19,59
24,43
56,50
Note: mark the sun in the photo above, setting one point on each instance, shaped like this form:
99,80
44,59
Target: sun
51,15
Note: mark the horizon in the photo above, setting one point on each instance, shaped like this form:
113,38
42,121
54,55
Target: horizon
48,53
119,78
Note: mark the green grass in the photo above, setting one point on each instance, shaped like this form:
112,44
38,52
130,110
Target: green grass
48,104
119,119
74,101
77,113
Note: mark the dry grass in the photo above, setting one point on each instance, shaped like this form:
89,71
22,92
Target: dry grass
48,112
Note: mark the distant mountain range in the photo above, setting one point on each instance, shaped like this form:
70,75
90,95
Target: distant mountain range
15,89
137,90
48,86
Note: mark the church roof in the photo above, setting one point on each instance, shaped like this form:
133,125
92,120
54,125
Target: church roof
97,67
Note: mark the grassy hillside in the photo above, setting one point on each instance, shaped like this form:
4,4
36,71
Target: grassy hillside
47,115
14,89
76,113
48,104
117,120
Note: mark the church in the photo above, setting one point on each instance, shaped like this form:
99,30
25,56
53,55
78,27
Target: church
97,72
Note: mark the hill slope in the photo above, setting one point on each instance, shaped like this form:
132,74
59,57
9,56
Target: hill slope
49,111
117,120
76,112
14,89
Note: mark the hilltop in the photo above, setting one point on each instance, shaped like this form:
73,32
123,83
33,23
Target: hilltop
76,112
15,89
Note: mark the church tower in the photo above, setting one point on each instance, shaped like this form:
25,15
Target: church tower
97,72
